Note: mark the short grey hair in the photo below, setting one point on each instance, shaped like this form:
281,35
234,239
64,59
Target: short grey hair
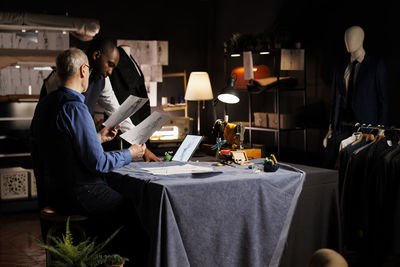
68,63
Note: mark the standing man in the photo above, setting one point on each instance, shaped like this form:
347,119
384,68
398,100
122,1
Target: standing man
67,154
103,57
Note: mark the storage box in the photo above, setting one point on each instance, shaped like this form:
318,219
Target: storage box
287,121
260,119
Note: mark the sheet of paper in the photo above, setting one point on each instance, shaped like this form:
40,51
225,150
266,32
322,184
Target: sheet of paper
142,132
163,52
171,170
248,65
127,109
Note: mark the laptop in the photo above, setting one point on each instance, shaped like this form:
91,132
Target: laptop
187,148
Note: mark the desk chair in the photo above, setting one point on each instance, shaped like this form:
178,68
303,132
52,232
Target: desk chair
53,224
325,257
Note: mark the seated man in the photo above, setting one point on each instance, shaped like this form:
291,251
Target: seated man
68,158
103,58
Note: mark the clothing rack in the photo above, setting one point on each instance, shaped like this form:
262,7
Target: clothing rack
370,126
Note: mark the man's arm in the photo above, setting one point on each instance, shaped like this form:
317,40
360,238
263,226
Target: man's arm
76,121
110,103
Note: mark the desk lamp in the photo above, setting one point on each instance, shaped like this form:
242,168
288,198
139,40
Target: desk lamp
229,95
198,88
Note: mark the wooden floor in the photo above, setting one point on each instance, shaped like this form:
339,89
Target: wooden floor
17,248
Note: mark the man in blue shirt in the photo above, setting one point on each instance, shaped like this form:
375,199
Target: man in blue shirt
103,57
69,160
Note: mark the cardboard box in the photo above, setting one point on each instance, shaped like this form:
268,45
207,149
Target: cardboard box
287,121
260,119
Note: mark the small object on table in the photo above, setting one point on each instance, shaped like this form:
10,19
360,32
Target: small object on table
271,164
225,154
274,158
168,156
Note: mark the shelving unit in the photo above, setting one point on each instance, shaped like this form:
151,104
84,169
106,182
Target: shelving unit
177,107
279,89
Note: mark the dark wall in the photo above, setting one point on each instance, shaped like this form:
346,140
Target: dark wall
196,36
320,26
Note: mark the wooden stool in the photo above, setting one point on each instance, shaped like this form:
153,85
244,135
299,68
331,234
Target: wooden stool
56,224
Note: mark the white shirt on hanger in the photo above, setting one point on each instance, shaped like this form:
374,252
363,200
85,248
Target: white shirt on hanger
346,142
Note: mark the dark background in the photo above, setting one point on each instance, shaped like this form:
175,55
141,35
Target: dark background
196,31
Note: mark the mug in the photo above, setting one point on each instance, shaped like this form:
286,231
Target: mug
164,100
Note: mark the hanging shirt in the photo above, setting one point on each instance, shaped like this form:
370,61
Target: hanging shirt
344,143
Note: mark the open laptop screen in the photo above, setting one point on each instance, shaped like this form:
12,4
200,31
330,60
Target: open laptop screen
187,148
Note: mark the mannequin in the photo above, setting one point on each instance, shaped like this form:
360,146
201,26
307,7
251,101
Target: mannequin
366,101
353,39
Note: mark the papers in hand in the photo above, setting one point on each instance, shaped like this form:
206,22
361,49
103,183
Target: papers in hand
171,170
127,109
142,132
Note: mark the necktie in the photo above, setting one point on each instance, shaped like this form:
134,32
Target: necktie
350,85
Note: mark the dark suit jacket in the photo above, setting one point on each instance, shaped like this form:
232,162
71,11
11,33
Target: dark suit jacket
126,81
370,94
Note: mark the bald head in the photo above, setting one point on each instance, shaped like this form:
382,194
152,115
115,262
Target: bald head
69,62
354,38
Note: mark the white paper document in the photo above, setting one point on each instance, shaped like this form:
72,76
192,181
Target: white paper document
127,109
248,65
142,132
171,170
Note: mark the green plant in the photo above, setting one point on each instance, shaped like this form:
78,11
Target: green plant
84,254
114,259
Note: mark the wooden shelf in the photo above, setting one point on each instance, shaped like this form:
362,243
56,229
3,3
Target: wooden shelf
20,98
172,108
273,129
9,56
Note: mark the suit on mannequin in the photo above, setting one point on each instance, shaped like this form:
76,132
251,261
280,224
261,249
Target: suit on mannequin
359,94
369,96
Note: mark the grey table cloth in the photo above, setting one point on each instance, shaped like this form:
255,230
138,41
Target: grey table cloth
230,217
316,221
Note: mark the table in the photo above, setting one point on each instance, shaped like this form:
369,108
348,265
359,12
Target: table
316,222
233,217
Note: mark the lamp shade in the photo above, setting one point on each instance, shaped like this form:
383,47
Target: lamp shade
199,87
229,94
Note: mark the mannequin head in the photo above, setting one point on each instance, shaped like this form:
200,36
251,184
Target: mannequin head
126,48
354,38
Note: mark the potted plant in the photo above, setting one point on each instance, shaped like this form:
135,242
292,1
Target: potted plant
65,254
114,260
